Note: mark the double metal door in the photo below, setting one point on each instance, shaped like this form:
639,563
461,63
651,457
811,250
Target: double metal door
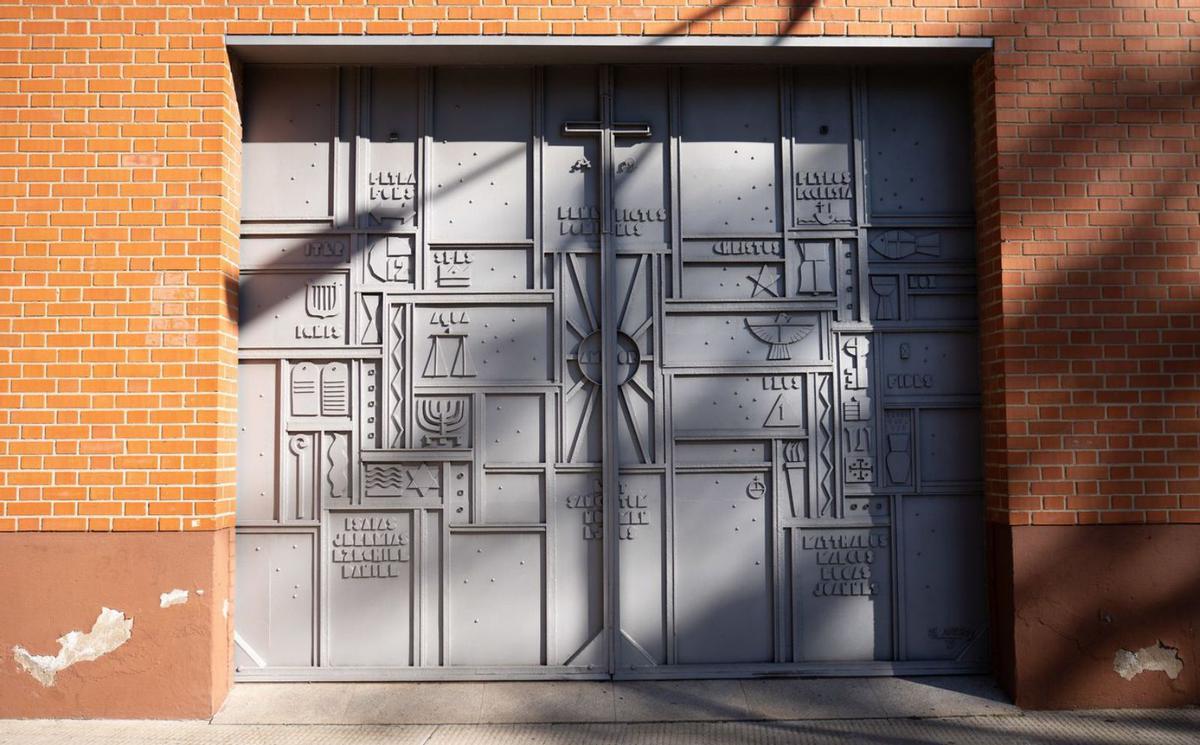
593,371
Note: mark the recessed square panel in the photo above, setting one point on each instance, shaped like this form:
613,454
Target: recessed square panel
729,151
482,144
514,428
288,126
496,603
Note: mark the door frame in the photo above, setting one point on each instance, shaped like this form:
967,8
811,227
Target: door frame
471,50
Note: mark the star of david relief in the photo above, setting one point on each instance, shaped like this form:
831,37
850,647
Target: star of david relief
585,359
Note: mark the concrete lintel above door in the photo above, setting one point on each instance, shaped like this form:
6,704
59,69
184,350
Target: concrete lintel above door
474,50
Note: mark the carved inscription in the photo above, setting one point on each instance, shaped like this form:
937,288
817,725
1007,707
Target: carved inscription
370,548
844,562
634,512
627,222
783,413
391,194
823,197
453,268
325,250
747,248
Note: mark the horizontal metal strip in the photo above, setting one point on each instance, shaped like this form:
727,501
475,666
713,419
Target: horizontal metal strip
376,674
481,50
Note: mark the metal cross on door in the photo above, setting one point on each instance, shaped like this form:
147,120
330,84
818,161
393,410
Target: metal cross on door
620,354
599,371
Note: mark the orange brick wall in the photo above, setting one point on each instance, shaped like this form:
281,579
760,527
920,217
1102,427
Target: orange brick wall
118,211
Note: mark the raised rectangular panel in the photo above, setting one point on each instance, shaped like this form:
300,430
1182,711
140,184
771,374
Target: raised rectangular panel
843,594
370,588
700,452
513,498
740,281
904,246
288,127
729,151
732,250
388,185
480,268
275,599
292,309
723,607
463,501
640,540
822,156
443,421
640,164
577,516
293,251
951,450
431,545
389,483
469,345
930,364
919,141
570,185
388,262
778,338
496,605
945,613
480,159
942,297
258,442
513,430
757,404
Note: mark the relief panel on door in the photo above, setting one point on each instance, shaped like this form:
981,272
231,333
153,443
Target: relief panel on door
440,267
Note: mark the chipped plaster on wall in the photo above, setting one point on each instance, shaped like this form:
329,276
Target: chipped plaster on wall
174,597
111,630
1157,657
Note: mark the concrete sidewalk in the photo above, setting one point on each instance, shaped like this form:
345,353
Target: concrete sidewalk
962,711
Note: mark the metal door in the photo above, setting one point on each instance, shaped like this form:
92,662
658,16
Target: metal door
594,371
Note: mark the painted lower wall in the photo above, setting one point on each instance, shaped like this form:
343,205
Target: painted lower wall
1101,616
1083,617
172,663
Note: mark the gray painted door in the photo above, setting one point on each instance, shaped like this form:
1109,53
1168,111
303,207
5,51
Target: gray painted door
593,371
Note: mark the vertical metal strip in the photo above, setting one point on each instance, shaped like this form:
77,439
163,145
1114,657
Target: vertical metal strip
787,175
549,449
669,524
611,470
674,94
787,203
537,204
416,583
858,129
424,148
673,103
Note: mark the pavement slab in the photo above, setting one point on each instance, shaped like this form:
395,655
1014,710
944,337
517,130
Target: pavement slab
1173,727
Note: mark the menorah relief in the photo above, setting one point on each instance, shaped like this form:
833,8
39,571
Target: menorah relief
443,421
